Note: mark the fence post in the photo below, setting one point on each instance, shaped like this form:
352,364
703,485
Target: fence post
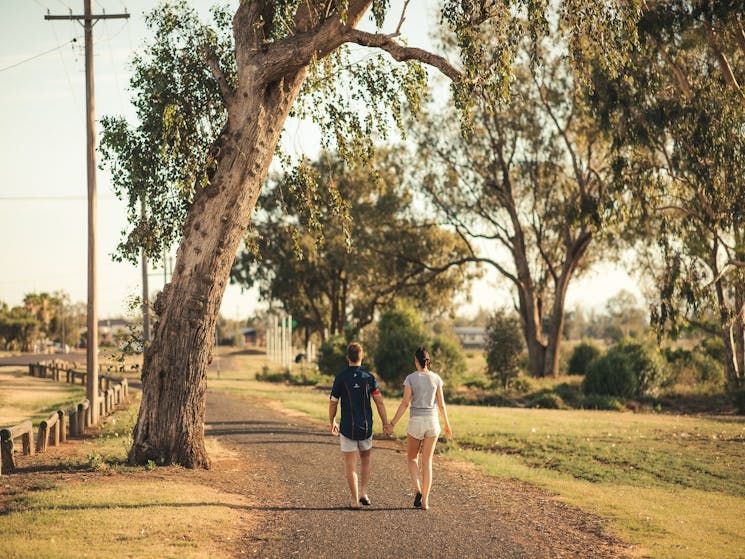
62,426
43,438
28,442
8,463
72,416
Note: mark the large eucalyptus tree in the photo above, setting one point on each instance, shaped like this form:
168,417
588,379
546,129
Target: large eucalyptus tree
530,188
678,117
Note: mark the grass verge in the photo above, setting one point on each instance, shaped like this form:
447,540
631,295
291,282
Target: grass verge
82,500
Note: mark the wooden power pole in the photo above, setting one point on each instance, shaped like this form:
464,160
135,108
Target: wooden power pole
89,20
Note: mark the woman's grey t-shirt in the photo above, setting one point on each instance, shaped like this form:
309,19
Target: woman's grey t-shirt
423,392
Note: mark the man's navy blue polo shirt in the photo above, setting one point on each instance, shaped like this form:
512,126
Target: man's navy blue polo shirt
354,386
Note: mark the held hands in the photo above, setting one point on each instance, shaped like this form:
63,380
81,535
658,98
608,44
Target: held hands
388,429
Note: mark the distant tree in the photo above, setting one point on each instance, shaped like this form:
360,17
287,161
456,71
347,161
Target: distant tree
504,344
533,178
582,355
400,333
333,267
332,355
623,310
678,121
447,356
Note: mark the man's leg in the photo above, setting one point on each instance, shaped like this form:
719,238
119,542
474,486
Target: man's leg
350,469
364,471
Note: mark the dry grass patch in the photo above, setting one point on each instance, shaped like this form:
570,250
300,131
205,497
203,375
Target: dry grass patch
25,397
121,516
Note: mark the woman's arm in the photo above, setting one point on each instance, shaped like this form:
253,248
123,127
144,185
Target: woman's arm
402,407
444,412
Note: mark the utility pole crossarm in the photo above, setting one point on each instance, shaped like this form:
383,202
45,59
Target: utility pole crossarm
92,16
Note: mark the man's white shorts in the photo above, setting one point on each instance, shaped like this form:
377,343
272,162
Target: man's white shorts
423,426
350,445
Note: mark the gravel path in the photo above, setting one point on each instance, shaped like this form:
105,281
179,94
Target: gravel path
292,469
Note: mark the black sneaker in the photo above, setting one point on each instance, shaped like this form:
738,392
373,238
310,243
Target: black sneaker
365,501
418,501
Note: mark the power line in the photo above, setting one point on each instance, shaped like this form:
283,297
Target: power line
73,40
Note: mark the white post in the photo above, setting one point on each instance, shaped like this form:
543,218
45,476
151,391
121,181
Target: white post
289,342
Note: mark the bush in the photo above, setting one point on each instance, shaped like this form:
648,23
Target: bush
400,333
504,344
332,355
713,347
738,398
611,375
447,357
547,400
627,370
601,402
522,384
571,394
581,358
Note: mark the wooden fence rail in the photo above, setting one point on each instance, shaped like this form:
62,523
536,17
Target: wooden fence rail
62,424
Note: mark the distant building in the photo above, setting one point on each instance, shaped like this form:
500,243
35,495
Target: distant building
249,336
471,336
110,331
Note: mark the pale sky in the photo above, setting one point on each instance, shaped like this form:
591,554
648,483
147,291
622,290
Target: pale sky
43,216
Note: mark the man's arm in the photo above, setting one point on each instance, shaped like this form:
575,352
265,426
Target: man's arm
378,398
333,406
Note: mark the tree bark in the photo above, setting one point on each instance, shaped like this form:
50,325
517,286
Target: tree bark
170,426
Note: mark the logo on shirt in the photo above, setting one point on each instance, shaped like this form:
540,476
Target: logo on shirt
356,385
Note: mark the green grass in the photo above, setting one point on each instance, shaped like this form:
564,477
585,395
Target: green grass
672,485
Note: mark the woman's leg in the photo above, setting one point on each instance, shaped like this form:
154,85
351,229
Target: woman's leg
412,454
428,450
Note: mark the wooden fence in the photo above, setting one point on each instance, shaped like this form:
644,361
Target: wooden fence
62,424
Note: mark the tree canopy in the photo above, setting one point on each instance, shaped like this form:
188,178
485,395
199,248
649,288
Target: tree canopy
678,119
363,245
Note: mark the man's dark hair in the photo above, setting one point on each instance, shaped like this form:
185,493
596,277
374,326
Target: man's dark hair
354,352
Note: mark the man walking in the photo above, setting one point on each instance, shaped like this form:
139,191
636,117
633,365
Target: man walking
354,386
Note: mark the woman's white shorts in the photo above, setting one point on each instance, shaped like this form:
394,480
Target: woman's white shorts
423,426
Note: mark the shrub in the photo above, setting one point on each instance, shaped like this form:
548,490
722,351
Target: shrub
400,332
601,402
547,400
738,398
647,364
581,358
447,357
522,384
611,375
627,370
332,355
571,394
504,344
713,347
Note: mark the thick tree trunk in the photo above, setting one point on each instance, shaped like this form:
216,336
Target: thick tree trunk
530,317
170,426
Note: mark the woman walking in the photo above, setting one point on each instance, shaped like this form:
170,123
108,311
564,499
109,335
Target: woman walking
423,390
